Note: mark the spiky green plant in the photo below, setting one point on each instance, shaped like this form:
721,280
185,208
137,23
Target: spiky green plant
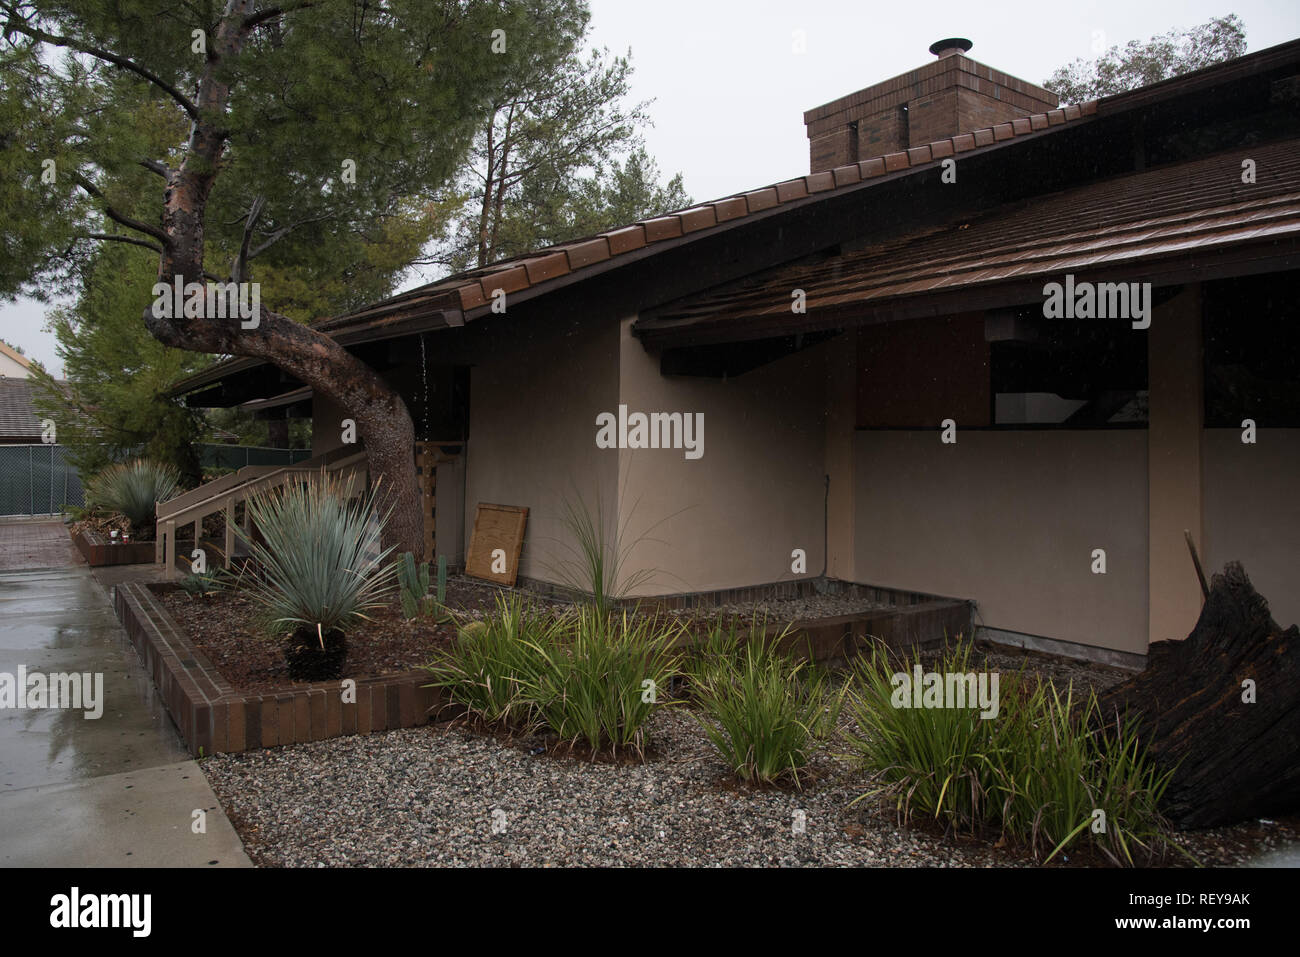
495,661
321,565
134,489
600,686
763,711
1037,773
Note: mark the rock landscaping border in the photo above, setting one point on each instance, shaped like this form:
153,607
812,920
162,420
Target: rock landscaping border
214,718
98,551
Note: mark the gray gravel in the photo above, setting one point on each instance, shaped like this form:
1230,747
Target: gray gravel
426,796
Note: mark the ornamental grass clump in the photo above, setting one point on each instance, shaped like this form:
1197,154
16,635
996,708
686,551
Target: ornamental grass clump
494,663
599,686
762,710
133,490
320,569
1042,770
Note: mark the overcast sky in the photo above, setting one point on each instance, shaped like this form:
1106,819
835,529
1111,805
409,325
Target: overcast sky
729,91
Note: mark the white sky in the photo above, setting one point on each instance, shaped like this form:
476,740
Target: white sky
730,92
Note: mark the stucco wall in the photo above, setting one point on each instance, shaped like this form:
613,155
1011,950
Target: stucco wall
732,517
535,392
1010,519
1252,512
326,425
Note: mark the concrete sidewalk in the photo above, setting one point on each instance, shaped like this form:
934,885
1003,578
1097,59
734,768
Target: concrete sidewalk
113,791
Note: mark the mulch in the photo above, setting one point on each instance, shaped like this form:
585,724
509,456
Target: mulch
230,629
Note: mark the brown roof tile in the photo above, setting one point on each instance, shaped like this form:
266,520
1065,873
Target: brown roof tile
847,175
725,209
546,267
664,227
963,142
701,217
872,167
791,189
941,149
511,279
895,162
626,239
918,155
984,137
1003,131
471,296
761,199
585,254
820,182
1021,125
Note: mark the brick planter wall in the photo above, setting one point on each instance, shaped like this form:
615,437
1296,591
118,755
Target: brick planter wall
210,714
98,551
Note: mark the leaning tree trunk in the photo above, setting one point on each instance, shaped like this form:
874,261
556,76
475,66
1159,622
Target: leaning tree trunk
1222,707
381,416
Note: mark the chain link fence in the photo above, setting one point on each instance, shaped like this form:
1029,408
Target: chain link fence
37,480
239,456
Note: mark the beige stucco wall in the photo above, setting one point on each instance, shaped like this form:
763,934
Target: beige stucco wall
1175,463
733,517
326,425
535,393
1252,512
12,368
1010,519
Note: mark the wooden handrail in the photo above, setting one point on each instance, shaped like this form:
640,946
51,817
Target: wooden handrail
223,494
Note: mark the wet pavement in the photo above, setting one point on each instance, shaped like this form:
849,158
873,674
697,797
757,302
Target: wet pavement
117,790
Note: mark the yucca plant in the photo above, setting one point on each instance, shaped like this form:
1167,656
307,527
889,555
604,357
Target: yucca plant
600,686
495,661
133,489
763,711
320,568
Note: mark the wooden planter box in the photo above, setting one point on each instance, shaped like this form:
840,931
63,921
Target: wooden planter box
213,717
98,551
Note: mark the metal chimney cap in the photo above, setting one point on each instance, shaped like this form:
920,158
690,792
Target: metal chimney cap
943,48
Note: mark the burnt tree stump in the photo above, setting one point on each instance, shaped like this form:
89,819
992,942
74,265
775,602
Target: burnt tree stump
1235,760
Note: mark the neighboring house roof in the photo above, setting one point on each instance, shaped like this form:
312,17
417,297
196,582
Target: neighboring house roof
1168,215
19,422
13,354
468,296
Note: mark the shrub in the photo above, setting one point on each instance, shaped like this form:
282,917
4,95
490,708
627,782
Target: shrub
1036,772
941,762
494,663
769,711
320,568
133,489
600,685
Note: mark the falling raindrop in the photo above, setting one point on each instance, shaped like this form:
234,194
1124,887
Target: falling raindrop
424,374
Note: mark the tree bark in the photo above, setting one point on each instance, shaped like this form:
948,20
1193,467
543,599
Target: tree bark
1233,759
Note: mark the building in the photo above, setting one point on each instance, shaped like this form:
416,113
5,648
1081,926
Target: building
900,360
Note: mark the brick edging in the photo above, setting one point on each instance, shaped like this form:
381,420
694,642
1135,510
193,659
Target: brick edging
97,552
211,715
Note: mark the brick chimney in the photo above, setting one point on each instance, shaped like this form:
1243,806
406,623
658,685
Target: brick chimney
952,95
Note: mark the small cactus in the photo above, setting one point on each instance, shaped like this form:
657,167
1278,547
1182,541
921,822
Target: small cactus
414,581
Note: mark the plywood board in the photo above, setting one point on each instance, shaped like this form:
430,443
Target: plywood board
496,527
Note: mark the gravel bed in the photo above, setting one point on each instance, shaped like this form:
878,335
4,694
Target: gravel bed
426,797
787,609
